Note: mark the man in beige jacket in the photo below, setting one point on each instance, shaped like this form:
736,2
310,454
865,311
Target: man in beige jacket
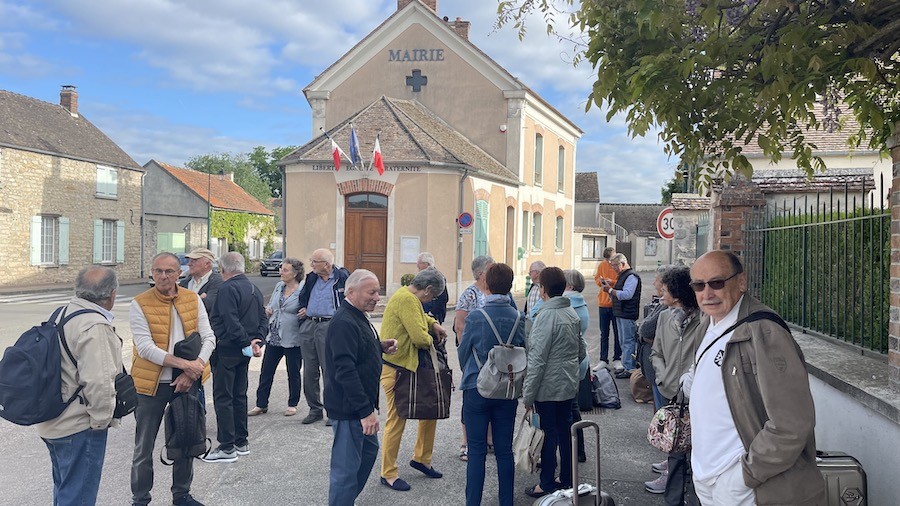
77,437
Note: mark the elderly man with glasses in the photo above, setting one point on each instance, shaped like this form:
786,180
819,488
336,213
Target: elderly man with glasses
752,414
320,298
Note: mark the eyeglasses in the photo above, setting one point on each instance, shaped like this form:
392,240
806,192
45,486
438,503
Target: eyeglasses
715,284
166,272
314,261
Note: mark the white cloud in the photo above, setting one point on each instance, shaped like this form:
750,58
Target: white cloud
629,170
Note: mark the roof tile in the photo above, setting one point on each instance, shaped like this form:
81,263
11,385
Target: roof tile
224,193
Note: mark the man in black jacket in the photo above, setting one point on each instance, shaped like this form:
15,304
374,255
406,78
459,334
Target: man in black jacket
240,324
201,277
321,296
352,379
626,300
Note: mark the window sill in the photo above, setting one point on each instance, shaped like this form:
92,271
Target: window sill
47,266
106,197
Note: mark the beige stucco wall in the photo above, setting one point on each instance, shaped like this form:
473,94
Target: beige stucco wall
35,184
310,203
478,117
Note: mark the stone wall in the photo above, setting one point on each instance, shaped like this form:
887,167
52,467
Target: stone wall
35,184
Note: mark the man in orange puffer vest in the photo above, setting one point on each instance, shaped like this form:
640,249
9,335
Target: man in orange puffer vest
161,317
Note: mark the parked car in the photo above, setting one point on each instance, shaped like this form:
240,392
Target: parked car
183,260
271,264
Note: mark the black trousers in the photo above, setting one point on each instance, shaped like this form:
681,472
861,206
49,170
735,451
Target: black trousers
271,358
230,399
679,485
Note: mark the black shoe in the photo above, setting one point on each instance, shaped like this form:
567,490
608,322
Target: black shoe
532,492
311,418
582,457
328,422
187,501
623,374
399,485
427,471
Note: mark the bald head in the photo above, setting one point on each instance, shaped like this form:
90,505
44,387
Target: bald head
321,261
98,285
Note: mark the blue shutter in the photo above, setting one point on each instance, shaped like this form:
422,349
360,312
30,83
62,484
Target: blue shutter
101,180
481,227
63,240
35,240
113,182
98,241
120,242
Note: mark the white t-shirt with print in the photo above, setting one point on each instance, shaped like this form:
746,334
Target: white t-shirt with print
715,442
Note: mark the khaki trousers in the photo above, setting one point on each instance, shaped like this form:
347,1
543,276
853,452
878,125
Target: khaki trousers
393,431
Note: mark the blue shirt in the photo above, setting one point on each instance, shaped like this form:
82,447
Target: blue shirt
321,298
627,291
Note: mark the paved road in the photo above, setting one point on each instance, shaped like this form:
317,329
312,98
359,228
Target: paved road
289,461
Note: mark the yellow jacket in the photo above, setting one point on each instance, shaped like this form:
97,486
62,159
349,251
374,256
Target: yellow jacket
405,321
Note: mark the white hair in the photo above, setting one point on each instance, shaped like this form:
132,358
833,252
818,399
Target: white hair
426,258
232,263
357,277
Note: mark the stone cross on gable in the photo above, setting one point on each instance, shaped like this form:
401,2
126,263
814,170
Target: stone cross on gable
416,80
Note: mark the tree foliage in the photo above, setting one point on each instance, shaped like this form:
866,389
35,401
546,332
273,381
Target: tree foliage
264,162
716,75
245,173
674,185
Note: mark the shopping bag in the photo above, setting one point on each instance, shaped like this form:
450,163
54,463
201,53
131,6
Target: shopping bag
527,445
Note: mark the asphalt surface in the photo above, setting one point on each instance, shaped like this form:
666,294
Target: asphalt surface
289,461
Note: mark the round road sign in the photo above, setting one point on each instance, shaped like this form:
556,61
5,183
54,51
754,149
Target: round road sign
465,220
665,224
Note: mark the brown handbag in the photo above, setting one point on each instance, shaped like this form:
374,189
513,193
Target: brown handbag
424,394
640,387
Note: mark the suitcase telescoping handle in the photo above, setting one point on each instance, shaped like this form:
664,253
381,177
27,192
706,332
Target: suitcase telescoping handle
583,424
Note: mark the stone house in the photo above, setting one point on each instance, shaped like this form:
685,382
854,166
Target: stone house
69,196
179,205
593,232
637,238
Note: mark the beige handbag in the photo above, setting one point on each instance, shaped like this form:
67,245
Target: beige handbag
527,445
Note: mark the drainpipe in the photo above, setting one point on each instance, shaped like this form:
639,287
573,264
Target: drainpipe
459,238
143,223
283,170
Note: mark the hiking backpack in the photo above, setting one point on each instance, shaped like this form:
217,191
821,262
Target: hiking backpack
185,426
503,373
606,392
31,372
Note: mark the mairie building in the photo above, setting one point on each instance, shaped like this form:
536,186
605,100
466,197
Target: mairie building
476,163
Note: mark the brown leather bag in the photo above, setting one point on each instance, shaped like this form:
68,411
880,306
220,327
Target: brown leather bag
640,388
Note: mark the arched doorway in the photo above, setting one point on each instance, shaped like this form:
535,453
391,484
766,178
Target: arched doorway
365,233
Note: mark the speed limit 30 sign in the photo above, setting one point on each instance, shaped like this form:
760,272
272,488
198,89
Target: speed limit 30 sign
665,224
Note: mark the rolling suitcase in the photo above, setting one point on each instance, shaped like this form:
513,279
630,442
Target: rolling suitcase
587,495
845,479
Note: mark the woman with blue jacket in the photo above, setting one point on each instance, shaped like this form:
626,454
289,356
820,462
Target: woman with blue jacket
574,287
478,412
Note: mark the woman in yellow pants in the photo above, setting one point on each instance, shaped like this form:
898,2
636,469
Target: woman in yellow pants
405,321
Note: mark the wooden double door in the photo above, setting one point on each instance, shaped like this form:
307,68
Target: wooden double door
365,238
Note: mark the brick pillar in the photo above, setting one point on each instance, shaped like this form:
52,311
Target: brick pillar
894,326
732,210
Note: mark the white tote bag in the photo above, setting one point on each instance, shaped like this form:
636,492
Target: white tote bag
527,446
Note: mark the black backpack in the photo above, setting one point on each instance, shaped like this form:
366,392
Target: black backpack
31,372
185,427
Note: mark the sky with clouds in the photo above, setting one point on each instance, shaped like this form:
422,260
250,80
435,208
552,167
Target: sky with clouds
169,79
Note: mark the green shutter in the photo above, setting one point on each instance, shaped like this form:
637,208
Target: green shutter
101,180
120,242
35,240
98,241
63,240
113,183
481,227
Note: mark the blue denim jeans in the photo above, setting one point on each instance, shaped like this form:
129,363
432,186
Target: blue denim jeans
77,463
352,457
628,339
607,320
556,422
478,412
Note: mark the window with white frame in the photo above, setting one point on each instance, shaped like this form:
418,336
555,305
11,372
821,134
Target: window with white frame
538,158
559,233
536,231
592,247
107,182
109,241
481,227
49,240
561,170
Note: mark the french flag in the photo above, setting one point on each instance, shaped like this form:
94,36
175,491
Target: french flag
336,154
377,161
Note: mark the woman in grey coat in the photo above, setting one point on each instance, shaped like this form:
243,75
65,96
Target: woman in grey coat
555,349
283,339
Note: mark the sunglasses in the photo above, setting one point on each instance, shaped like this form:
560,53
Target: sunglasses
715,284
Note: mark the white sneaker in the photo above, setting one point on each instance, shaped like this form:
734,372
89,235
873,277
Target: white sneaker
660,467
601,365
242,450
221,456
617,366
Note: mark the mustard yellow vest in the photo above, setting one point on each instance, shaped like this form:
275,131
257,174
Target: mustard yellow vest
157,310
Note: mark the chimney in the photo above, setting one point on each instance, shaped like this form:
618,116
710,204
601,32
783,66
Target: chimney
431,4
228,176
461,27
68,98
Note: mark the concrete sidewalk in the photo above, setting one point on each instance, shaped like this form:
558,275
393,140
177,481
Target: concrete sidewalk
289,461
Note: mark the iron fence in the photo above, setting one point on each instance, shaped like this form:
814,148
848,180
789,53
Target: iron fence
823,263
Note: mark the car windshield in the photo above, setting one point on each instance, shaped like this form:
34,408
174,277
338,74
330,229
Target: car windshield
277,255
